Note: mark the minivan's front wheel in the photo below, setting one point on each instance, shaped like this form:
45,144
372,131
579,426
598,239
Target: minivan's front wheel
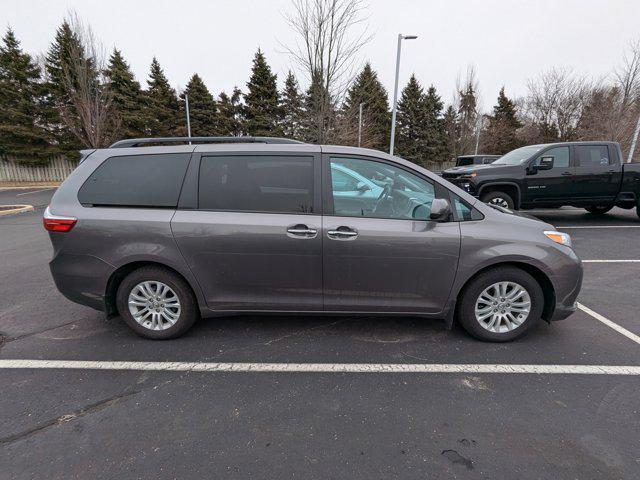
156,303
500,199
501,304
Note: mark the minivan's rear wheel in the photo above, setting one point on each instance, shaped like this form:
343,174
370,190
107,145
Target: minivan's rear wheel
598,209
501,304
500,199
156,303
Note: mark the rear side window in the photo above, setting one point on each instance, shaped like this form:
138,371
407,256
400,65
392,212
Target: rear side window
269,183
592,155
463,161
136,181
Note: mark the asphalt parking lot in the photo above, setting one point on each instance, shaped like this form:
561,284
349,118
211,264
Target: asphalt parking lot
202,416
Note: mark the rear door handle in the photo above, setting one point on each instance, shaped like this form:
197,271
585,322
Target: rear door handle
302,230
566,174
342,233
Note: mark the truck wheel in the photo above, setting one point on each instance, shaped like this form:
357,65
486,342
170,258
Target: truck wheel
598,209
500,304
498,198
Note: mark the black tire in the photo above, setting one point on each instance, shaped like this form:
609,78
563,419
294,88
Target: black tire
189,311
598,209
499,198
467,301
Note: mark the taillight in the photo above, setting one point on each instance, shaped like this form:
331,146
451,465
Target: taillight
57,223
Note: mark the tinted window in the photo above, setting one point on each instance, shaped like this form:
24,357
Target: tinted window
267,183
560,157
380,190
463,161
592,155
136,180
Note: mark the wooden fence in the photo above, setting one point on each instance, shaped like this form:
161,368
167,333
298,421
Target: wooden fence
56,171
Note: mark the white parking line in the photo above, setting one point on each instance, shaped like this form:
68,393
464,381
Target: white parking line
610,261
323,367
35,191
610,324
598,226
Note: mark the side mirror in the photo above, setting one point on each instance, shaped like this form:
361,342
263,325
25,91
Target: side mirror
362,187
440,210
546,163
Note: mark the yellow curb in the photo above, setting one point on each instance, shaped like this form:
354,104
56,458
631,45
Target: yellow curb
15,209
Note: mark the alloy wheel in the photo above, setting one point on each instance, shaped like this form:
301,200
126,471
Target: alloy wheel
154,305
502,307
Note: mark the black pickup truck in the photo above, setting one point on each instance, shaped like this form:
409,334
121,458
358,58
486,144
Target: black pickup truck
590,175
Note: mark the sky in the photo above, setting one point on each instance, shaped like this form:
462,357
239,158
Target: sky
507,41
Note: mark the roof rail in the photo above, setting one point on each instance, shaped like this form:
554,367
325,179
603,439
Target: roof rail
135,142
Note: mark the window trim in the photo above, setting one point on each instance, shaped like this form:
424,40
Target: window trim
327,192
193,203
138,206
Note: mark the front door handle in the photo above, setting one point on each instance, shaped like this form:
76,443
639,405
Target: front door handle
302,230
566,174
342,233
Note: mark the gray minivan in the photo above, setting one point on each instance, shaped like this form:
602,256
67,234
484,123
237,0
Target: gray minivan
163,235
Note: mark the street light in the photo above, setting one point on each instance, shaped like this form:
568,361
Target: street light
395,90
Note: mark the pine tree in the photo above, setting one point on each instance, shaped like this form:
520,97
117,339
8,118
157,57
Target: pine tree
451,132
410,125
58,63
420,126
467,119
318,124
162,110
435,135
262,107
368,90
127,96
230,114
202,108
291,105
22,134
501,136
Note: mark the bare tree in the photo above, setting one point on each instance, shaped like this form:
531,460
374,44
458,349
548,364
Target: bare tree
326,51
89,111
555,102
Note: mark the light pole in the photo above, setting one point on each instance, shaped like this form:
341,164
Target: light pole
395,90
360,124
632,150
186,106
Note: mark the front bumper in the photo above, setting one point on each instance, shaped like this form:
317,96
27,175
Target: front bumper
567,287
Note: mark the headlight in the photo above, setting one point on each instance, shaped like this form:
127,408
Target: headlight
559,237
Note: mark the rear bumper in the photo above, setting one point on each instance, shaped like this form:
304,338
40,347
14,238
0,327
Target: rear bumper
81,278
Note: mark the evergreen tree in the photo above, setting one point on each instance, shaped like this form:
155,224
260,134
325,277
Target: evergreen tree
291,106
230,114
318,125
435,134
22,133
451,132
467,119
501,134
368,90
262,107
127,96
58,66
410,124
202,108
162,110
420,126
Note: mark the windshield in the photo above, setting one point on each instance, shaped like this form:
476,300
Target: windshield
517,156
